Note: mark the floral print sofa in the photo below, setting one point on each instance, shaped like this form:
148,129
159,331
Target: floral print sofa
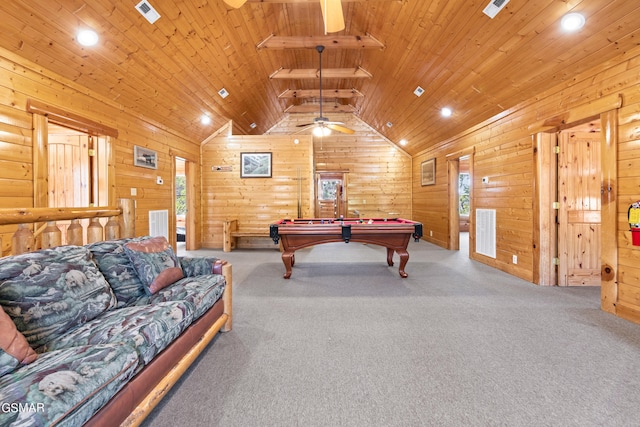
89,333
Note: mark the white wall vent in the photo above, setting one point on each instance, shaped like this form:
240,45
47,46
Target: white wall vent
486,232
146,10
494,7
159,223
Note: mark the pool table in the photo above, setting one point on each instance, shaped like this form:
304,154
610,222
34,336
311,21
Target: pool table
393,234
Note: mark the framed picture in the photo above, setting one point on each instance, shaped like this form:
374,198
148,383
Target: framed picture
255,165
145,158
428,172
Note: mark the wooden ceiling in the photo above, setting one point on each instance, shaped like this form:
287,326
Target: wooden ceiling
171,71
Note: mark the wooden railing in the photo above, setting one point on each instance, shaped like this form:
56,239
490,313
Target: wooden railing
121,223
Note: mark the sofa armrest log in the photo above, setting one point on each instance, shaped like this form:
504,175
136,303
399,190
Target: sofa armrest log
198,266
227,296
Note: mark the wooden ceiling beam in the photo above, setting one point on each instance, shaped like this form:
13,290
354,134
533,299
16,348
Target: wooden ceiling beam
314,108
315,93
329,42
314,73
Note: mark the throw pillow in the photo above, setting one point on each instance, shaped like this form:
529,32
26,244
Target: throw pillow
116,267
155,262
14,348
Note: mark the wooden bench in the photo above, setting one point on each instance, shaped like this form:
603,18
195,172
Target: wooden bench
230,234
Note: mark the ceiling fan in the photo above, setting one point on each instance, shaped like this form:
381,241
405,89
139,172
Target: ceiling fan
331,13
321,125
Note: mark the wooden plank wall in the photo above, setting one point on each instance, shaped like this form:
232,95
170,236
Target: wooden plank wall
254,202
504,154
378,172
628,302
21,80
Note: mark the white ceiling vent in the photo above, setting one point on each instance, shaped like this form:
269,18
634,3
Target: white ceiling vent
146,10
494,7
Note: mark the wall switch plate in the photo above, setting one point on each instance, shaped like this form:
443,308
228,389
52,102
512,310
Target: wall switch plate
515,259
430,233
134,191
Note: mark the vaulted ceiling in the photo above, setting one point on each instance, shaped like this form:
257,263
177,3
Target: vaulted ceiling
171,71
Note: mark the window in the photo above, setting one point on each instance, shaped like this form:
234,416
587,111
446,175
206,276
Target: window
181,194
464,185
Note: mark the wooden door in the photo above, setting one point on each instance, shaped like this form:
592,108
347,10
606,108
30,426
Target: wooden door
69,177
579,213
331,195
78,171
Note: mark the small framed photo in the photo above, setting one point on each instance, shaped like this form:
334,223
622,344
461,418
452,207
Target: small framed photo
255,165
145,158
428,172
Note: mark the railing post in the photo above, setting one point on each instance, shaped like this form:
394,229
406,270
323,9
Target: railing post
112,229
74,233
51,235
22,240
128,218
95,233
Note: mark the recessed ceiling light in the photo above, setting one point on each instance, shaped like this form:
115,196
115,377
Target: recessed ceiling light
205,120
403,142
419,91
223,93
296,141
389,124
446,112
87,37
253,125
572,22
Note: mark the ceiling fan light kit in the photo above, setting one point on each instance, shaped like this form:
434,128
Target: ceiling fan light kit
321,131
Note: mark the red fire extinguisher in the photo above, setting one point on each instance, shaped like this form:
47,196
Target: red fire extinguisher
634,222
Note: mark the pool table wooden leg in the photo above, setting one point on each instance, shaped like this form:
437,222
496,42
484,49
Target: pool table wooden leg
288,260
404,258
390,257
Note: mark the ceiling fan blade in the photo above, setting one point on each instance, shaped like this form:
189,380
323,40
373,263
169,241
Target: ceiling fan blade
304,129
235,3
339,128
306,124
332,15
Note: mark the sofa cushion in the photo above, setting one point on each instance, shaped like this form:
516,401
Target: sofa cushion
116,267
201,291
148,329
14,348
48,292
68,385
155,262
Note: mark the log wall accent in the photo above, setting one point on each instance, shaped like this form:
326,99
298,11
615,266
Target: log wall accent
504,153
21,81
